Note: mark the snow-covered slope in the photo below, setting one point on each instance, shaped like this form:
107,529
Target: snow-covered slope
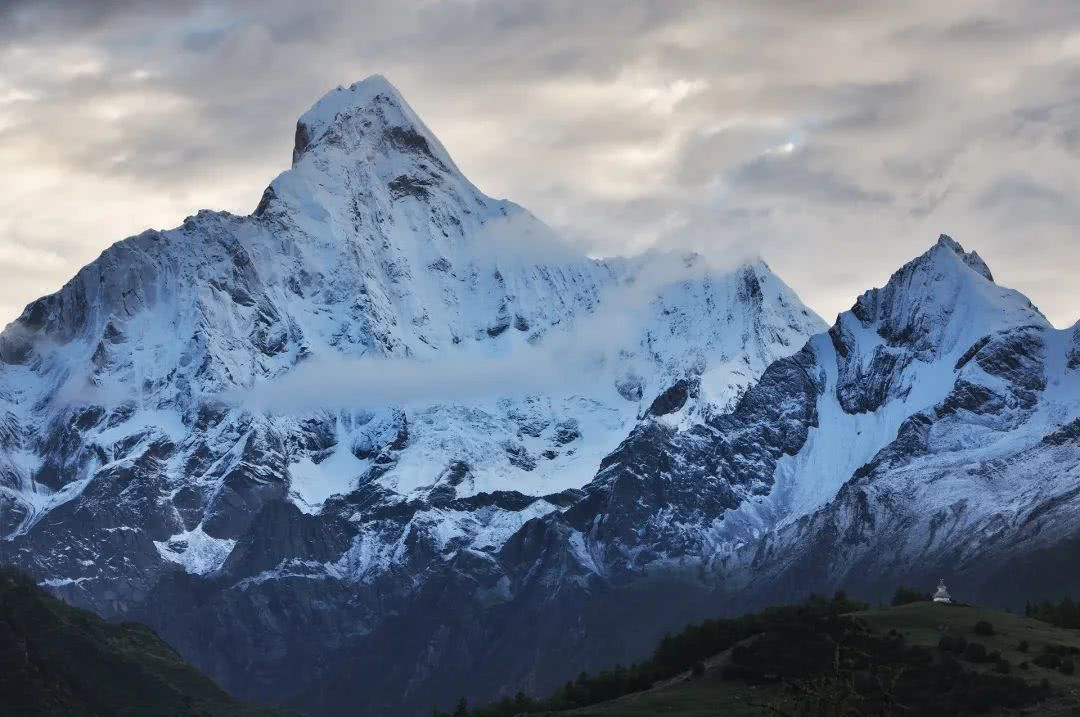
376,325
701,493
893,355
983,486
933,430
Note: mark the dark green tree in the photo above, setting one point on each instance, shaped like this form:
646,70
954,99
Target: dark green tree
905,596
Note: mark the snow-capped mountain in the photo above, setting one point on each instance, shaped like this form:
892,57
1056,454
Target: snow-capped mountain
388,440
311,416
932,431
981,483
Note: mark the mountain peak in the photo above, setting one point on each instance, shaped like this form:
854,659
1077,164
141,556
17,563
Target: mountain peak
936,305
946,241
369,111
971,258
365,141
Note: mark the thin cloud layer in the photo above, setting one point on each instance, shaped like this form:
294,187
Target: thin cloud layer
838,138
566,360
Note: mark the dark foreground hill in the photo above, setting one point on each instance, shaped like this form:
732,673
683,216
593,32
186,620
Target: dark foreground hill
822,658
59,660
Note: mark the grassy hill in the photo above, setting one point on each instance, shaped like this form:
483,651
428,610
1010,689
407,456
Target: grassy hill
987,686
59,660
833,658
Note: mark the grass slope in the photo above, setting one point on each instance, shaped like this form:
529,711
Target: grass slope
60,660
918,627
923,623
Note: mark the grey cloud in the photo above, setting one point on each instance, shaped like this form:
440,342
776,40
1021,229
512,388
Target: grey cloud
705,156
1018,188
29,18
798,175
1021,200
626,124
869,106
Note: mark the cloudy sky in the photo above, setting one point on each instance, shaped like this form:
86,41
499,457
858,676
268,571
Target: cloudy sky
837,138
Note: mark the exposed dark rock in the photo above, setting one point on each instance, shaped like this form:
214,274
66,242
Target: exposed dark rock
866,390
1067,434
912,441
498,328
971,397
972,352
750,290
402,438
441,265
671,400
409,140
409,186
519,456
441,495
89,417
456,473
631,388
268,197
567,432
280,532
255,480
506,500
301,141
1016,357
316,435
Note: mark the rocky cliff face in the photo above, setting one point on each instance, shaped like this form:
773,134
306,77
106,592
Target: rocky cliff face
275,436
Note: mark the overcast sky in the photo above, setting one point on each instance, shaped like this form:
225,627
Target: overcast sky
837,138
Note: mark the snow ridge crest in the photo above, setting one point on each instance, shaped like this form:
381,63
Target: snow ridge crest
371,112
972,258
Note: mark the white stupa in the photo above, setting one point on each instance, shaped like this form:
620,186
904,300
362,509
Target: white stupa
942,594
